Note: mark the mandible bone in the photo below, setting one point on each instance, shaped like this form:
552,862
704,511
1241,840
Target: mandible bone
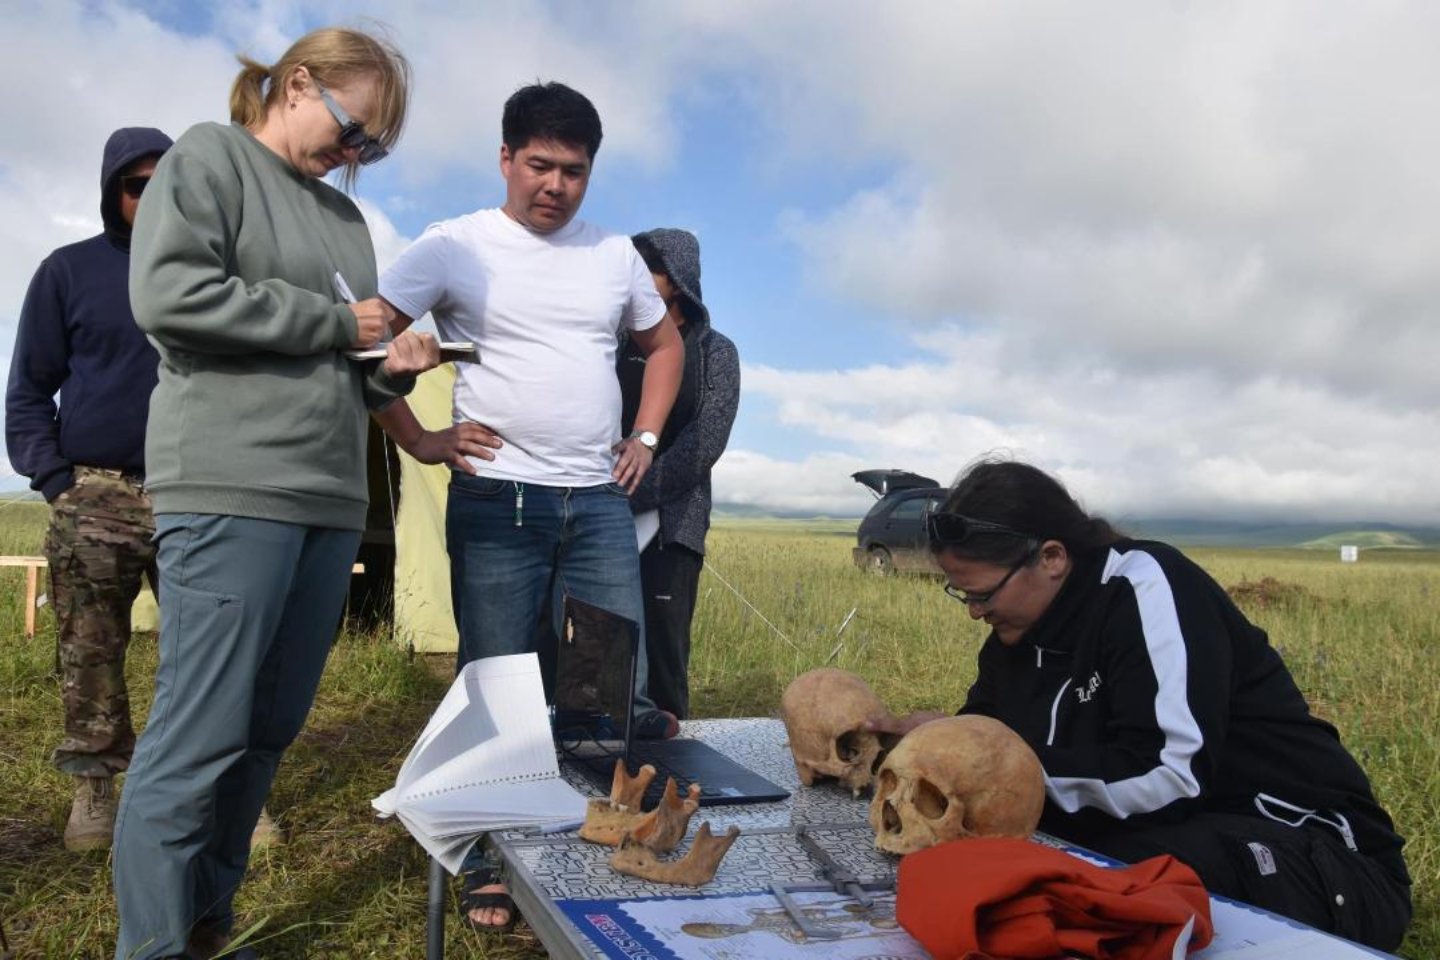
608,821
695,869
968,776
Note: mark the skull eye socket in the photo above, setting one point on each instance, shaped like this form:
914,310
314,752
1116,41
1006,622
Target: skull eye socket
890,818
885,784
849,745
929,801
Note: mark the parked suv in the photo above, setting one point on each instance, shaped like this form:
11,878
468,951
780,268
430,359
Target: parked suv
892,536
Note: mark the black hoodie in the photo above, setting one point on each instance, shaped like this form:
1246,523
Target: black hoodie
78,337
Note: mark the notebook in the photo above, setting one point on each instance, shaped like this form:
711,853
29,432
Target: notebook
450,351
592,720
485,761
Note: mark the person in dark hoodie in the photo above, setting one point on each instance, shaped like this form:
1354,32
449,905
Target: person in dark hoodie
677,486
77,337
1164,720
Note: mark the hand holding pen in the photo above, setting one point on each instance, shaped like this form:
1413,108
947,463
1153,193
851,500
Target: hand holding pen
372,317
409,354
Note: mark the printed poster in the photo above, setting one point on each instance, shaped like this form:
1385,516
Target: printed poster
741,927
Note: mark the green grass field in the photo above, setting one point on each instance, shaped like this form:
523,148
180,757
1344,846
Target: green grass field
1363,641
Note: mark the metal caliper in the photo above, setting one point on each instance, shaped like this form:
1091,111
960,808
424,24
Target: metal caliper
838,879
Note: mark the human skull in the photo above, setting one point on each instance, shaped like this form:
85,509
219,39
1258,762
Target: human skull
968,776
825,711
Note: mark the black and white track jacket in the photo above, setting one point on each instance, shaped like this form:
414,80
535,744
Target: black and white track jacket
1148,696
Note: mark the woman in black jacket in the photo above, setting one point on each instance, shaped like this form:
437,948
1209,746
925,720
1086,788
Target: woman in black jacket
1164,720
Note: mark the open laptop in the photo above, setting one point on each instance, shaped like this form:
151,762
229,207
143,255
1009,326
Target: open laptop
595,666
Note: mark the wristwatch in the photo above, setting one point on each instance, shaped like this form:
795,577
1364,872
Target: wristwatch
647,439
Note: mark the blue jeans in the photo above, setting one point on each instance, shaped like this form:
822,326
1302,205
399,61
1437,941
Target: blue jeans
249,611
508,542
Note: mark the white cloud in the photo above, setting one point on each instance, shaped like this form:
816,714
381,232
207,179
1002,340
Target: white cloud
1164,444
1199,240
389,242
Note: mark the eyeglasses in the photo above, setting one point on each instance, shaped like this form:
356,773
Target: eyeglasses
984,599
950,529
134,185
352,132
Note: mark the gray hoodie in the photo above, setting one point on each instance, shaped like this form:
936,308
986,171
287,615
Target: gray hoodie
695,435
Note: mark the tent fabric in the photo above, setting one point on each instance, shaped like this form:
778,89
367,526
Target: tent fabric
998,897
423,613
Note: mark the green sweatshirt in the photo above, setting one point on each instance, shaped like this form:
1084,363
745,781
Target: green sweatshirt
258,413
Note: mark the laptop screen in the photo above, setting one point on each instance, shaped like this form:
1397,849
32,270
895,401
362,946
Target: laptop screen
596,660
594,681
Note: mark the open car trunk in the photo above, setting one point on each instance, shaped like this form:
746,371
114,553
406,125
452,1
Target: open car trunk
882,482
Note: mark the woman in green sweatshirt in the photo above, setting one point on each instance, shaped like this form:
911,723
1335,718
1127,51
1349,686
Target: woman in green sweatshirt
242,267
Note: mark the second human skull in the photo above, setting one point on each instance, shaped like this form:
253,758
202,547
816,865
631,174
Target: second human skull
967,776
825,711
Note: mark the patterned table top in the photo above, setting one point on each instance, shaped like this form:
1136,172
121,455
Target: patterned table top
562,866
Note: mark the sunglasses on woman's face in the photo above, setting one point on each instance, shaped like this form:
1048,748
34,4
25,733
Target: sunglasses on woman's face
952,529
134,185
352,132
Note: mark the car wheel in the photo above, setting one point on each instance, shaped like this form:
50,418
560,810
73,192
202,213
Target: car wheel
881,564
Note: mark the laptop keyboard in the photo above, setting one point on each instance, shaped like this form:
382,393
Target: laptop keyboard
709,793
656,790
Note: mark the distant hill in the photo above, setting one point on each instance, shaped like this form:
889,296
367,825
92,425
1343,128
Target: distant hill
1312,535
747,511
1373,539
1194,533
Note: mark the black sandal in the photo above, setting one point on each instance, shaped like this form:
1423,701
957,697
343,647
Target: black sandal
472,899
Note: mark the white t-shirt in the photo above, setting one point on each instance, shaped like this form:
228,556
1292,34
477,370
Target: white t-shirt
545,312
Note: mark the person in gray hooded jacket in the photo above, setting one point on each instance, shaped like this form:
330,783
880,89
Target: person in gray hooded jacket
678,484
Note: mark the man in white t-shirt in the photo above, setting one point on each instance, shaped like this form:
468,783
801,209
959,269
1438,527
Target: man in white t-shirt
542,476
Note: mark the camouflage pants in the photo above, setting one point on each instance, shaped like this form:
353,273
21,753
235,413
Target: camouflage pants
99,546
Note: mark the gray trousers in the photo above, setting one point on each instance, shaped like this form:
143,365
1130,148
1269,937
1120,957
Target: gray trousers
249,612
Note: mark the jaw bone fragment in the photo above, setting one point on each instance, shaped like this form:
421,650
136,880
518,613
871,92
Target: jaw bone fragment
626,791
606,821
664,827
695,869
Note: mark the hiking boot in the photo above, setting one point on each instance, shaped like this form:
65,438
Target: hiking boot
92,815
266,833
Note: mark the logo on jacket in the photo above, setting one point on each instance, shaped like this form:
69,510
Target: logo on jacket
1086,690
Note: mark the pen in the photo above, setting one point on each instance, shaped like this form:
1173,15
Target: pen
342,288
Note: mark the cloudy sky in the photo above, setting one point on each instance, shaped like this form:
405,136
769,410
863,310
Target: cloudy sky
1186,255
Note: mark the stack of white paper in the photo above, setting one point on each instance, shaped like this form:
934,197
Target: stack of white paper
485,761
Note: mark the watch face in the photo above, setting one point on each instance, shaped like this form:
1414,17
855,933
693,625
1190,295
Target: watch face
647,438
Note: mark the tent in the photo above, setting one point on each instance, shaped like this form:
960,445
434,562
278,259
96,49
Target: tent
423,616
407,572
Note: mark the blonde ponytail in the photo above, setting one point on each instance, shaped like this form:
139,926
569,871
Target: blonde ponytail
333,56
247,95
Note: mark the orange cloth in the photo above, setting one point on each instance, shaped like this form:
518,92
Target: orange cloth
1013,899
